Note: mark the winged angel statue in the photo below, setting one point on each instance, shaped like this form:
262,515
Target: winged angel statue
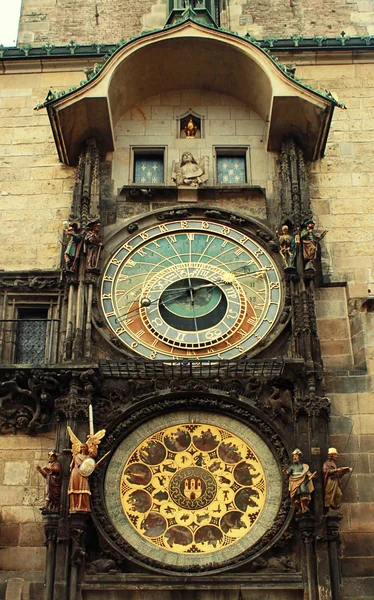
81,466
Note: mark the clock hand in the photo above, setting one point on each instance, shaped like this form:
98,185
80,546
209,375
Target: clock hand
222,282
149,303
191,289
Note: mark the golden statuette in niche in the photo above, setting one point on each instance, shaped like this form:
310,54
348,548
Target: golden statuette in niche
193,488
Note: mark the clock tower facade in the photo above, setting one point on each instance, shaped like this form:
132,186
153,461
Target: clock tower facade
172,352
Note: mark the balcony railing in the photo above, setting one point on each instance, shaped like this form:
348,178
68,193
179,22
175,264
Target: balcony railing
28,341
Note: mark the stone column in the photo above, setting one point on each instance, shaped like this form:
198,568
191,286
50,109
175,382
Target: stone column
333,519
307,535
78,525
50,527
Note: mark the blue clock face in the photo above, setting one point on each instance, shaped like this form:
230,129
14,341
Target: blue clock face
191,289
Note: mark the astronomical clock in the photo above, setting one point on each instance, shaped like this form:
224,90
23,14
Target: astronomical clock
191,288
192,479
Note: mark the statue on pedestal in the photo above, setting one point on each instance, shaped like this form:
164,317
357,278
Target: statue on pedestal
73,247
332,479
81,467
300,482
52,475
93,243
287,245
310,240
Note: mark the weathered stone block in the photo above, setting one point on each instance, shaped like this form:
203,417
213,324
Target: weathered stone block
16,473
31,534
14,588
362,517
12,558
9,535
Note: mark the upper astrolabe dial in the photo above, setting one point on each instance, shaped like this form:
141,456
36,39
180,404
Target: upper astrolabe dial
191,289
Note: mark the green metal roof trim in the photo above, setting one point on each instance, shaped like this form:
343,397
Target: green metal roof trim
266,46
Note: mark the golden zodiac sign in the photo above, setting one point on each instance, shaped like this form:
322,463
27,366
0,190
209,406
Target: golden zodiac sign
193,488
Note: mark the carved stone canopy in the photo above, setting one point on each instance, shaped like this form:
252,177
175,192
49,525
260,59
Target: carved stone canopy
230,65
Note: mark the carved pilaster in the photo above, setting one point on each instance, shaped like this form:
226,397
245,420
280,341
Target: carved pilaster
78,525
307,536
50,528
332,519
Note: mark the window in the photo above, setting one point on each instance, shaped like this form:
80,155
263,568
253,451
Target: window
148,166
31,335
232,166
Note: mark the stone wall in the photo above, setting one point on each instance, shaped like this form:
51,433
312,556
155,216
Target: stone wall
22,491
60,21
35,189
279,19
227,122
342,200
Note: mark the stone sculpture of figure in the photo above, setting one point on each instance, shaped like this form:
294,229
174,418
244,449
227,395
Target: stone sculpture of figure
287,245
332,479
93,243
52,475
79,489
190,173
190,129
310,240
300,482
73,247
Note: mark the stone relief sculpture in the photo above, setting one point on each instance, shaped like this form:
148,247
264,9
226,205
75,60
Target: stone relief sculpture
310,240
332,476
300,482
52,475
189,172
81,467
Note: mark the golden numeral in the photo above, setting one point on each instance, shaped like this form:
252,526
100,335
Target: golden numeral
107,278
274,286
172,238
142,253
140,333
127,246
110,314
153,355
191,236
226,230
134,344
238,252
130,263
144,235
115,261
106,296
184,224
163,228
119,330
204,225
243,240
